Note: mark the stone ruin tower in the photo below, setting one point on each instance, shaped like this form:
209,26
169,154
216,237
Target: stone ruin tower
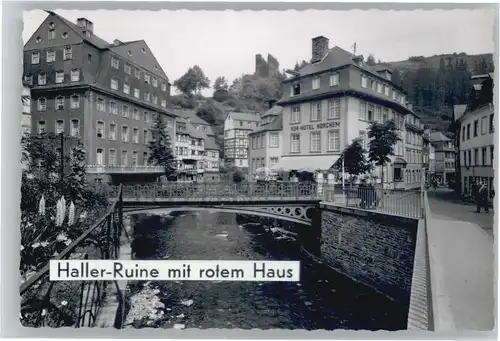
265,68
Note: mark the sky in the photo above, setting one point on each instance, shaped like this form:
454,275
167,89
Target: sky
224,43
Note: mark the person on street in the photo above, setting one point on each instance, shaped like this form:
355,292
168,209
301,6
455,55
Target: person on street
482,198
362,193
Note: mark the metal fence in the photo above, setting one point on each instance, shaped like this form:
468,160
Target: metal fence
76,303
406,203
395,202
213,192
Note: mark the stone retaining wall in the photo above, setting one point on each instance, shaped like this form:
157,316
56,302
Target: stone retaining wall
376,250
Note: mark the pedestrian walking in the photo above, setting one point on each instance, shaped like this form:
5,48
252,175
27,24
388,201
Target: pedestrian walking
482,198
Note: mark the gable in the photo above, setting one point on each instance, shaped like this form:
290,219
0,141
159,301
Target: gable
42,32
139,53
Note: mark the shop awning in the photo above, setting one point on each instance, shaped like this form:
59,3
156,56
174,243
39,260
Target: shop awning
307,163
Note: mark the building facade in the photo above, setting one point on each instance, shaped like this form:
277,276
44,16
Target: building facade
332,101
266,141
429,156
413,151
211,162
237,126
105,95
26,113
189,151
445,157
477,148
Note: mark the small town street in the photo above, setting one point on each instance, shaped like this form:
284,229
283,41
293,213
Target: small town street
445,205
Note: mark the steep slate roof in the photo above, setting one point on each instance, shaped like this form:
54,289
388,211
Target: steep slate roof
242,116
458,110
191,115
146,60
338,57
438,136
276,124
94,40
274,111
210,144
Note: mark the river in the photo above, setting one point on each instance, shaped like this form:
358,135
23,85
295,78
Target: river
321,300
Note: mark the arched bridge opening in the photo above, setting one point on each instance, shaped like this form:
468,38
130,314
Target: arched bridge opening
296,213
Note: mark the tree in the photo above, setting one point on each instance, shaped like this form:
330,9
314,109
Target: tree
194,80
383,137
300,65
371,60
160,147
220,84
354,159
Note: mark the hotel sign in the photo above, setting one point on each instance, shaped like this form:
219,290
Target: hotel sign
324,125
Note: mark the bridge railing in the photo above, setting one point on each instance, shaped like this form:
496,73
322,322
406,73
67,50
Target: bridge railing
214,192
76,303
402,203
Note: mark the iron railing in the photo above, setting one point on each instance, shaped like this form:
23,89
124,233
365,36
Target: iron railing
215,192
76,303
389,201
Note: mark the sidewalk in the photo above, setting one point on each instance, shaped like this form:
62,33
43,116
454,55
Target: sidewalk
462,275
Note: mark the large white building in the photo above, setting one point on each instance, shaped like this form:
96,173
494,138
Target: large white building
266,141
237,126
333,100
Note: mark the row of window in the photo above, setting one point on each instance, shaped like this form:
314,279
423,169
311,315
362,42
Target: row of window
124,161
370,112
148,97
466,130
413,156
363,137
74,103
125,112
127,68
377,86
125,132
74,129
316,112
60,77
471,157
413,138
50,55
333,142
183,151
260,141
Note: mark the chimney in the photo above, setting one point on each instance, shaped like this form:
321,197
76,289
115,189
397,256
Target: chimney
85,24
358,59
271,103
319,48
409,106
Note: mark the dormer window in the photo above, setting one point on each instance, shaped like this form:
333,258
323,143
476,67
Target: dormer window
52,25
386,90
334,79
295,89
374,85
316,83
379,87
